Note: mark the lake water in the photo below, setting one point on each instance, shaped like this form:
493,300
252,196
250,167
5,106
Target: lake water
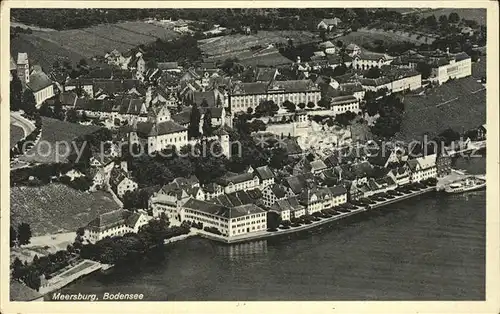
428,248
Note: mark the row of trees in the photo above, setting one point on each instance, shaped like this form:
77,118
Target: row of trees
20,235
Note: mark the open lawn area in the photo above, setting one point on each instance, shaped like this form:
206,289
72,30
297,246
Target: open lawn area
56,133
16,134
458,104
56,207
44,47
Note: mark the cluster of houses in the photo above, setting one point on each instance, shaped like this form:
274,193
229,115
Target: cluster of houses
237,203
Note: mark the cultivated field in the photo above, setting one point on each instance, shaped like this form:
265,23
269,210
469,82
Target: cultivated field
16,134
55,132
365,35
47,46
240,43
458,104
56,207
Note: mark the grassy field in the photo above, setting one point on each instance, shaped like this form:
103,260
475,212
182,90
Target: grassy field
47,46
56,207
55,132
478,15
458,104
16,133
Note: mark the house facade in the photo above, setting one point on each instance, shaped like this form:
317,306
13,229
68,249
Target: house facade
250,95
423,168
115,223
455,67
230,222
342,104
317,199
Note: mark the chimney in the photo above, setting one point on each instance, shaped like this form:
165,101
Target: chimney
298,59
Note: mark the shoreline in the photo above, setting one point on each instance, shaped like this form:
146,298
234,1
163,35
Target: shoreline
105,268
266,234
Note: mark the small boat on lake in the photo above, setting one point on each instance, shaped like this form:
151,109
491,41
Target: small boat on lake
465,185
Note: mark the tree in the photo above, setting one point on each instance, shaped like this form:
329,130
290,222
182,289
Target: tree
207,123
13,236
373,73
339,70
16,89
322,103
24,233
424,69
454,17
303,105
249,110
311,105
290,106
355,26
194,122
28,102
443,20
339,43
18,269
80,232
82,62
71,116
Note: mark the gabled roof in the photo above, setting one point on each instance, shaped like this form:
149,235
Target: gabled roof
265,74
318,165
341,100
326,45
166,127
167,65
109,220
235,178
333,21
264,172
250,88
207,207
39,81
292,85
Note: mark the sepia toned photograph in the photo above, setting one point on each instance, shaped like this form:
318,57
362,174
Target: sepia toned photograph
247,154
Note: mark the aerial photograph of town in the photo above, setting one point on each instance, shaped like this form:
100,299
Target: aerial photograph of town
237,154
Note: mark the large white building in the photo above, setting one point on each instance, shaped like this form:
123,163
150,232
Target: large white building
422,168
250,95
317,199
41,85
365,60
230,222
233,182
342,104
115,223
451,67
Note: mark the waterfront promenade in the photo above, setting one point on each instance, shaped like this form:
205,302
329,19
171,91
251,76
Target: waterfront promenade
268,234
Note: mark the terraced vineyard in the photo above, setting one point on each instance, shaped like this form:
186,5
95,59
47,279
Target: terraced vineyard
458,104
56,207
44,47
